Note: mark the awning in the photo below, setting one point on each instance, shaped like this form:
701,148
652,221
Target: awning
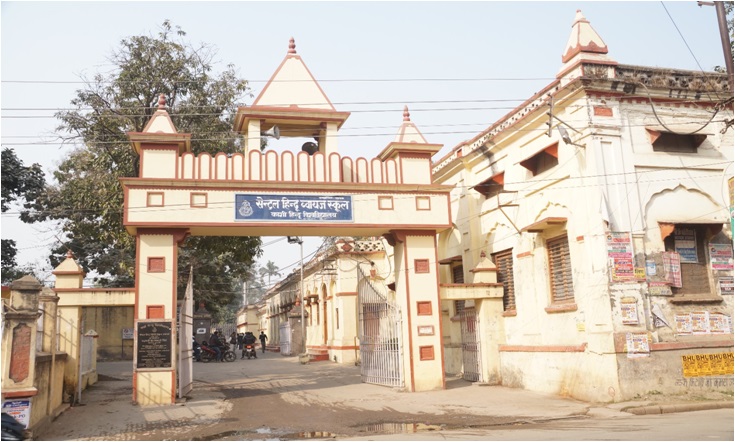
544,224
687,130
445,261
529,162
496,180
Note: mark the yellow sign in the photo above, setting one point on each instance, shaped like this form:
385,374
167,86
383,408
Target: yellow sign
712,364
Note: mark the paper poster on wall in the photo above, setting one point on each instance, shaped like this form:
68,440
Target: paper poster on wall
700,323
637,344
672,268
651,268
620,256
20,410
719,324
720,256
685,244
659,289
683,324
659,319
711,364
726,285
629,311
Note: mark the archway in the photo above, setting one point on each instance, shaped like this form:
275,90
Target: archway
178,194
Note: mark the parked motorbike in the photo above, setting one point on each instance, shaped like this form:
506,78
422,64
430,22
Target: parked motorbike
249,351
208,354
12,429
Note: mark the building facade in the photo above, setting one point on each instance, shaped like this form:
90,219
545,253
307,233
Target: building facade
603,202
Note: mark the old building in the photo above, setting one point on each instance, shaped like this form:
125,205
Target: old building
603,202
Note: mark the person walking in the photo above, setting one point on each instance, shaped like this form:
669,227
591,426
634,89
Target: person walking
263,337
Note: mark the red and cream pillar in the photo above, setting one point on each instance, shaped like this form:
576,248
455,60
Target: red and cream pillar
154,361
417,293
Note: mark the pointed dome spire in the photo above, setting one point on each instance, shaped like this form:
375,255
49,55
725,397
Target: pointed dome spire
408,132
160,121
292,46
583,39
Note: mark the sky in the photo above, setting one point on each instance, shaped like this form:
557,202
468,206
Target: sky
458,66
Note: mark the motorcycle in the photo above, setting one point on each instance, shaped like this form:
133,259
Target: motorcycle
12,429
208,354
249,351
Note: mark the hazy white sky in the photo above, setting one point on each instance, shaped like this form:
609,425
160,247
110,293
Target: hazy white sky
459,66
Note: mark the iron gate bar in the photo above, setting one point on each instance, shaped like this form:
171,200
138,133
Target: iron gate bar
380,335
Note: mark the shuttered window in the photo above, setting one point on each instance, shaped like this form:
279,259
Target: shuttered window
504,261
458,278
560,270
458,274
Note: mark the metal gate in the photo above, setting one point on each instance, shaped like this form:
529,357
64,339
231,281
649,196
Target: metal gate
381,349
284,332
186,332
470,345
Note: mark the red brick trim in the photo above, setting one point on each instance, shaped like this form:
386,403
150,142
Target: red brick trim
561,308
510,313
663,346
345,294
20,393
524,254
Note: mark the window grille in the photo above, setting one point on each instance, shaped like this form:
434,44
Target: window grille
560,270
504,261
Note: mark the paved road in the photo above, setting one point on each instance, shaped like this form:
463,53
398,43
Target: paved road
275,398
708,425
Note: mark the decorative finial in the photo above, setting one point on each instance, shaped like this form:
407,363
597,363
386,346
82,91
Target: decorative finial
291,46
482,254
406,115
162,102
69,254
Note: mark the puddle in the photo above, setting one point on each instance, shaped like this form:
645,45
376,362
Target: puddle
399,428
217,436
308,435
257,435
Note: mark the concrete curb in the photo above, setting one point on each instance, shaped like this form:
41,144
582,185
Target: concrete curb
677,408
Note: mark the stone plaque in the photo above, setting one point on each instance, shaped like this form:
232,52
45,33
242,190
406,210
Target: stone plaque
154,344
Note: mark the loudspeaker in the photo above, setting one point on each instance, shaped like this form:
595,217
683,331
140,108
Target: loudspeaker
275,132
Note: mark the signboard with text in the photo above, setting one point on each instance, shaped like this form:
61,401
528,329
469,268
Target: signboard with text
20,410
620,255
154,344
310,208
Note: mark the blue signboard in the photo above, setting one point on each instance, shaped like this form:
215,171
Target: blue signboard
310,208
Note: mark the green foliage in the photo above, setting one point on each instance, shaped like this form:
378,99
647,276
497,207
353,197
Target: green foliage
87,196
19,183
270,270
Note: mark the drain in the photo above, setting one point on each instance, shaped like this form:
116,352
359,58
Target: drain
308,435
216,436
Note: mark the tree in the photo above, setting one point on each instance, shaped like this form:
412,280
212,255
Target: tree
87,196
270,269
19,183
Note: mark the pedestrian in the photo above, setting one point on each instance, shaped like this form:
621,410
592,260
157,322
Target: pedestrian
249,339
233,340
239,340
214,344
263,337
197,349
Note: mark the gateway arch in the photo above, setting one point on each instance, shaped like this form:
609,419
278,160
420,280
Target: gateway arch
319,193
